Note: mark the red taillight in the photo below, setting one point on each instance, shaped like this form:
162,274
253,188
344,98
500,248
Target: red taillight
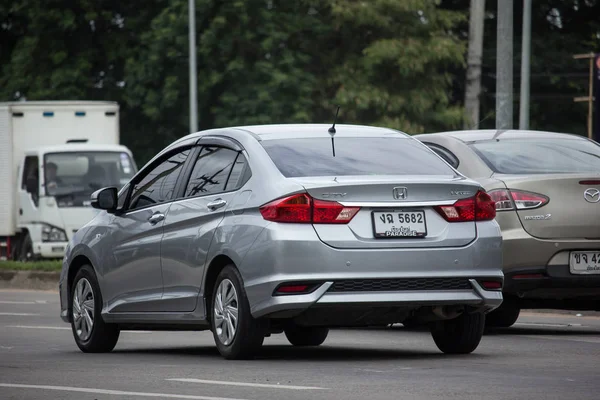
491,285
478,208
528,276
292,289
509,199
527,200
301,208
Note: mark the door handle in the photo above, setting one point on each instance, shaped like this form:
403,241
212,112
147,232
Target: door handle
156,218
215,205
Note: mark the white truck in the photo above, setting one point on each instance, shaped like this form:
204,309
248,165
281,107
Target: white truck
53,155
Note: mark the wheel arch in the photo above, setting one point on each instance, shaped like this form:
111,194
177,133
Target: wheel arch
215,267
74,267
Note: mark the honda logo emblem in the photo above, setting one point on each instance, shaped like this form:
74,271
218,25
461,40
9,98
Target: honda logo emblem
400,193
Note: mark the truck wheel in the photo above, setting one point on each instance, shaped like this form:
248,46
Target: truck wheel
91,333
26,251
300,336
237,334
460,335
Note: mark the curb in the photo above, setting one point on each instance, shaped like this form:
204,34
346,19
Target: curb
29,280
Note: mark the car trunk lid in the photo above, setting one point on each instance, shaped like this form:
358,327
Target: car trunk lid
385,204
572,210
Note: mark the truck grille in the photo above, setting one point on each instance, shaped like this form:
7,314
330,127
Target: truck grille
394,285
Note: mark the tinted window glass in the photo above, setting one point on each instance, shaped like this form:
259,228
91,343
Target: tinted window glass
354,156
446,154
211,171
535,156
159,185
238,173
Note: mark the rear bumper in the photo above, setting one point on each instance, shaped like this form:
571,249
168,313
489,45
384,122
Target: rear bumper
292,253
553,282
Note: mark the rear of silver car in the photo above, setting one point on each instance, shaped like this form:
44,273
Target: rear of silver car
350,248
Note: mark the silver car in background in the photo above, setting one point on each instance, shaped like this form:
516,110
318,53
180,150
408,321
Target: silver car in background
256,230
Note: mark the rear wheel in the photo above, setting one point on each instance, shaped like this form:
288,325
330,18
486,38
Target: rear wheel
460,335
237,334
504,316
91,333
301,336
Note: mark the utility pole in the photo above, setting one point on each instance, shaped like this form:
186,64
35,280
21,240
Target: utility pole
590,97
504,65
525,66
473,86
193,69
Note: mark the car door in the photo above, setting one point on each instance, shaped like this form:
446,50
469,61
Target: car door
191,223
134,284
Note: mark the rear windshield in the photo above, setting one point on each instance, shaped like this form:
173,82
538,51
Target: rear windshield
354,156
535,156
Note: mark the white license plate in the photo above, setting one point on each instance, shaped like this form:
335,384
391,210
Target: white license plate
395,224
585,262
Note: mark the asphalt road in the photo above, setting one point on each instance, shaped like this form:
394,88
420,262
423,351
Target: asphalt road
544,356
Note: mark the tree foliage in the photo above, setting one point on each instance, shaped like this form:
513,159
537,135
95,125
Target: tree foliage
385,62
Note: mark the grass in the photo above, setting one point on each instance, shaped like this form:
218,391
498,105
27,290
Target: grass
31,266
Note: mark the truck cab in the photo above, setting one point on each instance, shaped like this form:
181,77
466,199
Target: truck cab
55,184
53,156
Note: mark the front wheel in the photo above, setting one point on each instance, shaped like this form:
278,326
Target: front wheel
300,336
91,333
504,316
237,334
460,335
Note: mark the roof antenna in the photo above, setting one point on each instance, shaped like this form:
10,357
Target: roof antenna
332,130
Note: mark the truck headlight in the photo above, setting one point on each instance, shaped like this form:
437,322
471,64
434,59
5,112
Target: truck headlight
53,234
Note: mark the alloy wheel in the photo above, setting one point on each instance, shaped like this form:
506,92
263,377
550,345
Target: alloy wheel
226,312
83,309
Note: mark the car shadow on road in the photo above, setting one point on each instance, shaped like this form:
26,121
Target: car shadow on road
321,353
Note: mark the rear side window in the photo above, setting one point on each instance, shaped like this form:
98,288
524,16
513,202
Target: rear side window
354,156
540,156
211,171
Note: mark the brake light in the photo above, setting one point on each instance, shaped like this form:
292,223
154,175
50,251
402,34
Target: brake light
481,207
301,208
590,182
509,199
491,285
502,199
528,200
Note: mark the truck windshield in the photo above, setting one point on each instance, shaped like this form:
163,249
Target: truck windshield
71,177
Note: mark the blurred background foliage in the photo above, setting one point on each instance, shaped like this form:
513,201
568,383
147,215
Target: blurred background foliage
391,63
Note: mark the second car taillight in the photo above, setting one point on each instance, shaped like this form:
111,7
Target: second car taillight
521,200
481,207
301,208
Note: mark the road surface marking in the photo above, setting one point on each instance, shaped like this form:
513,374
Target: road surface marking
570,339
548,325
260,385
15,314
23,302
112,392
39,327
61,328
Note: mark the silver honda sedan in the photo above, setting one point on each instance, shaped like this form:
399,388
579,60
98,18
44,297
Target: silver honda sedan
294,229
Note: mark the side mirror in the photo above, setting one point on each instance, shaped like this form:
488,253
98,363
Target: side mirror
105,199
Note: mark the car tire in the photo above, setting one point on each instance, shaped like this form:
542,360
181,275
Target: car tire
248,333
504,316
302,336
26,249
85,310
460,335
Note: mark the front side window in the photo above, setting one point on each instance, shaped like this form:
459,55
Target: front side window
354,156
158,186
540,156
211,171
31,181
71,177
